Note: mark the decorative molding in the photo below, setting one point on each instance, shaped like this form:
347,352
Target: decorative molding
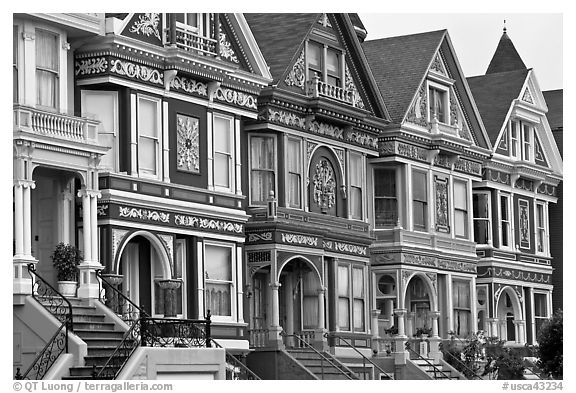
524,223
503,145
168,241
188,158
95,65
434,262
406,274
362,138
527,97
417,112
137,71
259,256
514,274
282,117
433,278
437,65
351,248
523,184
207,223
326,129
411,151
236,97
297,76
102,210
293,238
310,146
340,156
147,24
349,85
387,148
441,197
226,50
496,176
144,214
117,236
442,160
190,85
421,260
324,185
467,166
265,236
547,189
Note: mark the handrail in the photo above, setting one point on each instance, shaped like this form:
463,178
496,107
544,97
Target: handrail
115,305
364,358
324,357
49,292
236,362
469,372
132,334
420,357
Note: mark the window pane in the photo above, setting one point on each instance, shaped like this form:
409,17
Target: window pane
355,170
481,231
385,182
343,281
504,208
539,305
218,299
333,62
419,215
221,170
262,184
358,282
460,195
147,154
221,135
480,205
310,312
46,88
419,186
359,314
46,50
386,211
100,106
294,190
148,118
262,152
218,263
314,55
344,313
356,202
461,223
293,156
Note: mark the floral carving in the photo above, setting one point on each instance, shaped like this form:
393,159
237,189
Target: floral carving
437,65
254,237
362,139
351,248
147,24
91,66
296,76
412,152
141,72
226,50
102,210
442,223
190,85
144,214
326,129
350,86
324,185
468,166
527,97
208,223
299,239
417,112
524,223
235,97
188,144
286,118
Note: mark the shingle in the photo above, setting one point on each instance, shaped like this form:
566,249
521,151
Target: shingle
493,94
506,57
554,101
399,65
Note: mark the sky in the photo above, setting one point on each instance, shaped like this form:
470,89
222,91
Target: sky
537,38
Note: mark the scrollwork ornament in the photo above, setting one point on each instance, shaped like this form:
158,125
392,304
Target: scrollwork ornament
324,185
296,76
188,158
147,24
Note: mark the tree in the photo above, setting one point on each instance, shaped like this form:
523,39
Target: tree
550,351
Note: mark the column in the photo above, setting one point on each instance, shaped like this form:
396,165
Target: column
435,352
289,301
89,286
274,338
320,342
522,332
400,353
493,323
375,330
410,324
22,282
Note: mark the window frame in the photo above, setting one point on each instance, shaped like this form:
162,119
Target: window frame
547,313
515,147
465,210
488,219
501,221
351,297
384,197
445,90
232,283
158,139
352,185
541,228
323,71
274,171
55,73
527,130
231,155
425,204
289,173
457,309
203,27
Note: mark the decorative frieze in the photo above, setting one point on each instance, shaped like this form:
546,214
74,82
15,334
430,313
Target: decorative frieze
351,248
282,117
226,50
189,86
467,166
524,223
361,138
136,71
411,151
143,214
297,75
188,154
324,185
445,264
514,274
496,176
259,256
421,260
442,160
208,223
236,98
547,189
326,129
102,210
293,238
524,184
264,236
147,25
91,66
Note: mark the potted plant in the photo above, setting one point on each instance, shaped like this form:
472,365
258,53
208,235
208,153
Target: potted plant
423,332
65,259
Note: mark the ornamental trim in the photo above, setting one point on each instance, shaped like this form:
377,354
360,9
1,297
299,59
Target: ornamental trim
418,110
411,151
226,50
259,256
441,191
324,185
437,65
471,167
297,75
95,65
235,97
147,24
188,146
189,85
527,97
102,210
429,261
265,236
293,238
144,73
524,223
168,241
286,118
351,86
144,214
326,129
351,248
514,274
361,138
207,223
117,236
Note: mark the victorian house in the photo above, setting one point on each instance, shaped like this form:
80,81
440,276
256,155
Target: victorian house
512,201
129,126
430,156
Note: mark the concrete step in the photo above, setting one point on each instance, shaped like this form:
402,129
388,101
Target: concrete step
99,360
82,372
89,333
101,350
102,342
99,325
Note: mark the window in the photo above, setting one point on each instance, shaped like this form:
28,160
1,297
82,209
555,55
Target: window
262,164
351,298
324,63
461,306
540,228
149,120
526,142
419,200
437,104
505,227
522,140
15,64
514,138
333,67
460,209
219,279
103,106
356,186
223,142
47,68
385,202
481,211
294,164
314,57
195,23
540,310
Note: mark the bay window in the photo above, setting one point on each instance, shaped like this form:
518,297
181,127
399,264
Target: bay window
223,145
461,307
262,168
356,186
47,68
149,134
351,294
505,227
461,209
385,200
419,200
219,280
540,228
294,164
103,106
481,211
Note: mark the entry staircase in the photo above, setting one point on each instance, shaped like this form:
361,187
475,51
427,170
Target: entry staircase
322,364
434,369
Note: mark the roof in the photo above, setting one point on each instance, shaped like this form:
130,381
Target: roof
494,94
399,65
506,57
554,101
279,35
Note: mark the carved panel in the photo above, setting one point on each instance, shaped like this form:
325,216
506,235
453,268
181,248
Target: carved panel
285,118
437,65
187,139
293,238
236,97
411,151
433,279
350,86
297,75
524,223
91,66
326,129
117,237
226,50
514,274
527,97
362,138
310,146
254,237
418,110
147,25
467,166
524,184
441,196
168,241
189,86
324,185
136,71
208,223
102,210
143,214
503,145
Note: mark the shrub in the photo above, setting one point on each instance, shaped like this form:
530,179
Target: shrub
65,259
550,351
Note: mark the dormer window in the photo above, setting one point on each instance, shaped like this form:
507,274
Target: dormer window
437,103
324,63
521,140
195,23
333,67
527,142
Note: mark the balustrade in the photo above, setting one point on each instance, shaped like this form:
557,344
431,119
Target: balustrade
318,88
190,41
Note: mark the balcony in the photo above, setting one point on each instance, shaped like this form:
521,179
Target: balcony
192,42
60,126
316,88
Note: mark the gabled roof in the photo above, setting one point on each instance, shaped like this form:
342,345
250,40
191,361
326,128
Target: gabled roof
506,57
399,65
554,101
279,37
494,94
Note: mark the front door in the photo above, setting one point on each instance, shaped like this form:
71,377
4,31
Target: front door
136,269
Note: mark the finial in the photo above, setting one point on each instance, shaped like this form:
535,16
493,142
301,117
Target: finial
504,26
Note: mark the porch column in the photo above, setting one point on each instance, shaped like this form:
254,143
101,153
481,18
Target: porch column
289,301
321,308
410,324
375,329
274,338
435,352
22,282
320,342
400,353
493,323
519,331
169,287
522,332
88,285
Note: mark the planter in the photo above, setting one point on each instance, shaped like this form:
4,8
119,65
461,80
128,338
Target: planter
67,288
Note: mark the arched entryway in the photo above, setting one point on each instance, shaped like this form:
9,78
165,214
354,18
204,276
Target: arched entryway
508,311
144,263
420,302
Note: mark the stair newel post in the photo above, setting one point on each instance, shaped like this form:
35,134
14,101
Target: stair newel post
18,376
208,330
143,331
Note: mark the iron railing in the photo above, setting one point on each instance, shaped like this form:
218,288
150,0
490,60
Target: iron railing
119,303
121,354
236,369
435,369
462,367
173,332
364,358
55,303
323,358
